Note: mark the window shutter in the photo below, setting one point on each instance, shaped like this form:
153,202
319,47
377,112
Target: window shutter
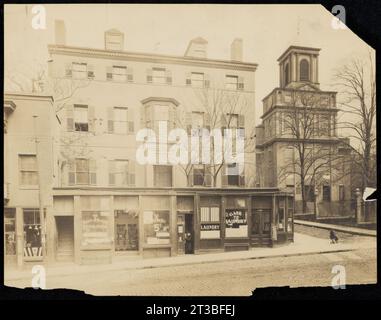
207,120
109,73
130,74
241,85
168,76
208,177
149,75
188,80
190,178
131,172
71,172
111,172
188,122
91,117
93,171
70,118
206,81
172,118
90,71
130,121
68,68
110,119
241,121
224,177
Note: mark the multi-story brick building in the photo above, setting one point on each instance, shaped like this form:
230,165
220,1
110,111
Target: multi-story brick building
30,151
298,147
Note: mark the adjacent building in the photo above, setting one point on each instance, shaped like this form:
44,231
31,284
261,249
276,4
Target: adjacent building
298,147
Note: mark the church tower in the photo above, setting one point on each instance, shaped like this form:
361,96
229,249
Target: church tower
298,67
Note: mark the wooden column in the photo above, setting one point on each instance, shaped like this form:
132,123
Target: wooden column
196,209
173,225
19,236
77,229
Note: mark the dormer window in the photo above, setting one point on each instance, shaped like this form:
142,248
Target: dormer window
304,70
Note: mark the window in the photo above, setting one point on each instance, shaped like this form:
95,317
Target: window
326,193
121,173
210,223
341,193
79,70
198,175
231,82
286,75
156,227
162,176
159,76
28,170
114,41
304,70
197,79
120,120
32,233
119,73
324,125
81,118
281,215
95,228
82,171
10,231
235,223
232,174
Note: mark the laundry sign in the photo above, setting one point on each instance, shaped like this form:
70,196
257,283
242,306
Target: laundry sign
235,223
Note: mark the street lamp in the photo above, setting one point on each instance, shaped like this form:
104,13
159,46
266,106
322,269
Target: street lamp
316,193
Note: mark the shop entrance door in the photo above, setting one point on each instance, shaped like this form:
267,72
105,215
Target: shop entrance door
126,231
65,238
189,234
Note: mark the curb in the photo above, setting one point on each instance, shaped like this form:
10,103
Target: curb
362,232
167,265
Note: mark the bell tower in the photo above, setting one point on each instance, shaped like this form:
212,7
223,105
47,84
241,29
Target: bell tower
298,66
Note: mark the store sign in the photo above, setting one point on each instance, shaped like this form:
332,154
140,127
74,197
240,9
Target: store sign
236,223
210,226
235,218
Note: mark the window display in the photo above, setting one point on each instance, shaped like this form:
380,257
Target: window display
156,227
95,228
9,232
32,233
210,223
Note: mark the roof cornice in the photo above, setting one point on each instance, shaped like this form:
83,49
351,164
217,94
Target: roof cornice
148,57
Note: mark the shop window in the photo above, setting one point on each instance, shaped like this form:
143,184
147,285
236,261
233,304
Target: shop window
32,233
28,170
281,215
162,176
235,223
156,227
10,231
326,193
95,228
210,223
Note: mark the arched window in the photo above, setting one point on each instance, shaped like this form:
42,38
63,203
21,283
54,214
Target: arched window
304,74
286,75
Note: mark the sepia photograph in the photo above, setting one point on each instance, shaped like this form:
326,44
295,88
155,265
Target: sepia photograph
187,149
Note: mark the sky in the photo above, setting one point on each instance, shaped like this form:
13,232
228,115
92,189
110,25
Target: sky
267,31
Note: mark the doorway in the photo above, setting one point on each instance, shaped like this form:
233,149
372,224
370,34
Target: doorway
65,238
189,233
126,230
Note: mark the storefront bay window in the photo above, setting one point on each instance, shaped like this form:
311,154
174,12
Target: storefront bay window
9,232
156,227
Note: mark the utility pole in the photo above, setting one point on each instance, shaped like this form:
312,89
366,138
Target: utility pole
40,198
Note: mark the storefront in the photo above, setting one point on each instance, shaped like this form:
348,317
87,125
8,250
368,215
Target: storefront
163,223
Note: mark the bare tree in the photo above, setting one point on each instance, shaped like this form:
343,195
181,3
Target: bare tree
312,162
357,84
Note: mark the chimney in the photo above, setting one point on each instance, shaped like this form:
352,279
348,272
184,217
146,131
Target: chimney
236,50
197,48
60,32
114,40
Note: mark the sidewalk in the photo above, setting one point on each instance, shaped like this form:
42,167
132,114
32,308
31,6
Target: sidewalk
351,230
303,245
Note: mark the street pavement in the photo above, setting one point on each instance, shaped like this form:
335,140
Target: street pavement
223,278
306,262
